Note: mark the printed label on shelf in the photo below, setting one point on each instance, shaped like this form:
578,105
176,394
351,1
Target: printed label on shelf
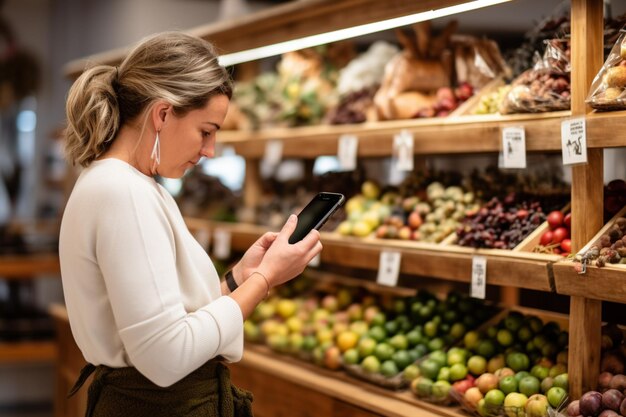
574,141
389,268
403,143
221,244
273,153
513,147
348,146
315,262
479,277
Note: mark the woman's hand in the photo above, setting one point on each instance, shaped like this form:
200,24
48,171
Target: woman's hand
253,257
284,261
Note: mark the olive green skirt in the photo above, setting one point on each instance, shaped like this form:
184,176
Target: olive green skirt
206,392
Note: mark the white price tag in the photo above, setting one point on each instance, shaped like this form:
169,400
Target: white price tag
348,146
403,143
315,262
574,141
513,147
273,153
479,277
389,268
221,244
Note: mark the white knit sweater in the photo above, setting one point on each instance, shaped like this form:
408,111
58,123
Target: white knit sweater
139,290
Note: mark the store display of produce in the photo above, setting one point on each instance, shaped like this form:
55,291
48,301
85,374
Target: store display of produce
610,398
372,337
515,367
557,239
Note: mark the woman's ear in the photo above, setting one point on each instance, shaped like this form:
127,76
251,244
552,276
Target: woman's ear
160,113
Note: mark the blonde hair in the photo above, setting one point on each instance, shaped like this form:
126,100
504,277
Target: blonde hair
172,66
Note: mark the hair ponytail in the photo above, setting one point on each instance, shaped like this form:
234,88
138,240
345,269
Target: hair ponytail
93,115
172,66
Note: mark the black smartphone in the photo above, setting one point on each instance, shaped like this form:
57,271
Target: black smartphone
315,214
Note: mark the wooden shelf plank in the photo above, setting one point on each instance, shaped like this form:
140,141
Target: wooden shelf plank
20,352
28,266
290,21
339,385
463,134
605,284
454,263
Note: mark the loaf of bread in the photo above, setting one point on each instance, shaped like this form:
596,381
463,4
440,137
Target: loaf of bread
616,77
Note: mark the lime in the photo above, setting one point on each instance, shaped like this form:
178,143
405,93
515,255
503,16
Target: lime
391,327
444,374
436,344
562,381
486,348
517,361
455,356
508,384
534,323
505,337
371,364
471,339
414,337
429,368
366,346
458,371
441,389
383,351
556,396
422,386
351,356
421,350
524,334
529,385
399,342
494,398
430,329
379,319
477,365
389,368
377,333
438,356
540,372
514,321
520,375
457,331
402,359
411,372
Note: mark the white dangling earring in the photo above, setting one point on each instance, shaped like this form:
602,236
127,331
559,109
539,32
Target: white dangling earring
156,153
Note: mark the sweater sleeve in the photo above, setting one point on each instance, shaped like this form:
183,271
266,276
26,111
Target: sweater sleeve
137,257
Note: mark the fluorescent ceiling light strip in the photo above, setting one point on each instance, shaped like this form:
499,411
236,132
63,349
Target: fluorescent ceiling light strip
341,34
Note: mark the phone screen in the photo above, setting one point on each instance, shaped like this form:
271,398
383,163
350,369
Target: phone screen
315,214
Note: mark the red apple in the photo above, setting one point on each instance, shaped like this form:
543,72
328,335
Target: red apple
567,220
566,245
560,233
555,219
546,238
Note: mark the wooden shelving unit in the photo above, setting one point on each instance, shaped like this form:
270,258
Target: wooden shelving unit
28,266
453,135
454,263
603,284
32,351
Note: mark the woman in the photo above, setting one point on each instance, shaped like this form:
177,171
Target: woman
144,300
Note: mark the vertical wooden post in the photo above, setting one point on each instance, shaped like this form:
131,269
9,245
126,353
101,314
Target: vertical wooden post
252,187
587,196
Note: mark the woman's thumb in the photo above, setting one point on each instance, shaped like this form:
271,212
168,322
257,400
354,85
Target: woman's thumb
289,227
